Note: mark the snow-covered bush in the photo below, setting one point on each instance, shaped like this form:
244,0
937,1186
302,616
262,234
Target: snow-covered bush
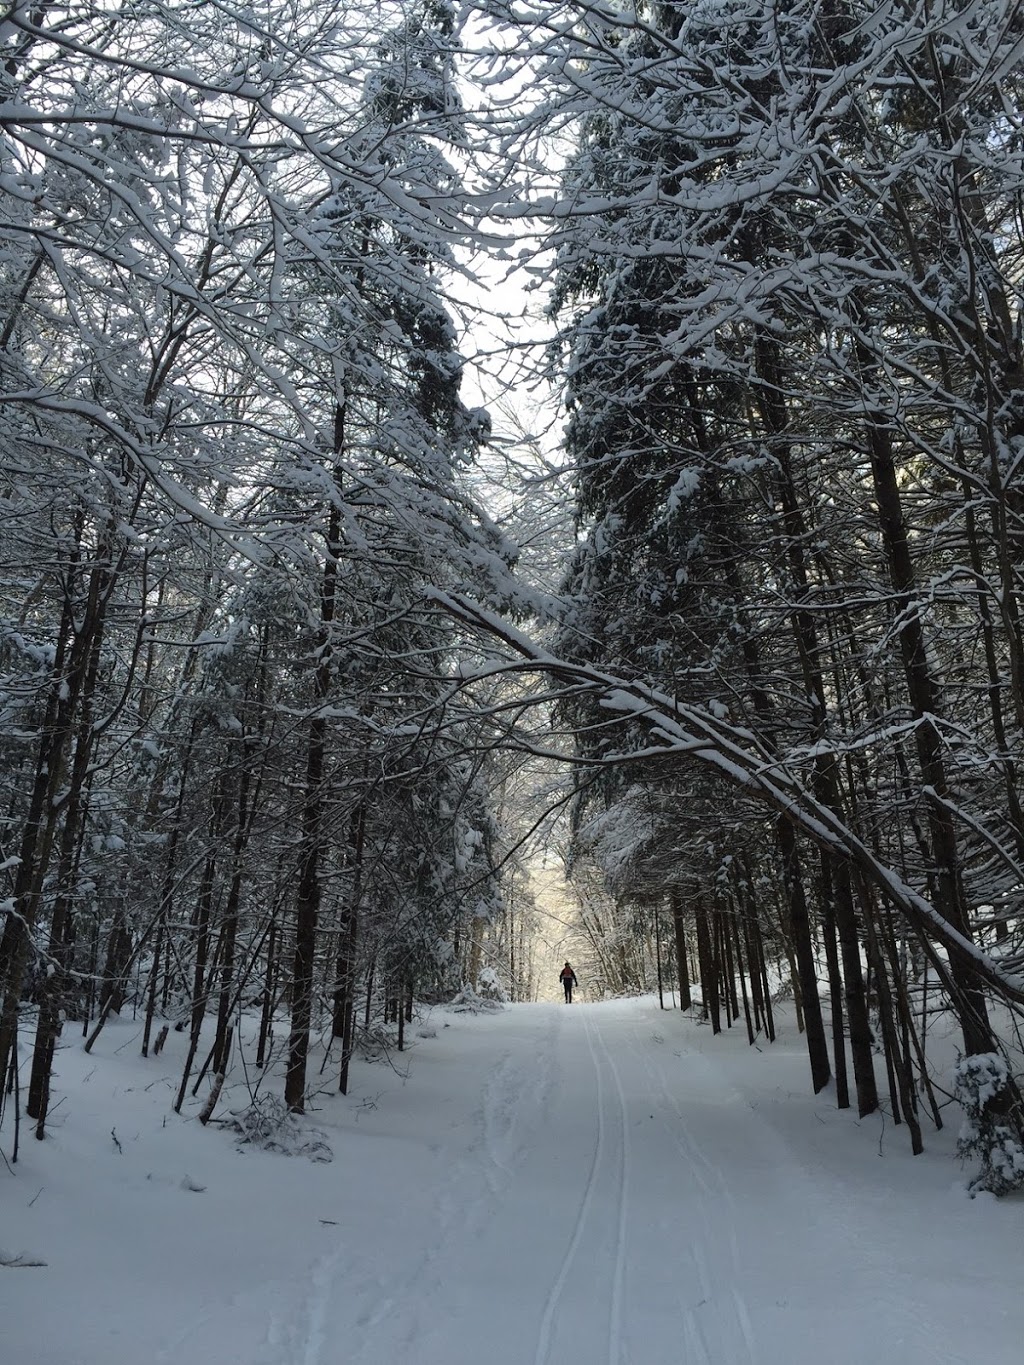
468,1002
488,987
270,1125
979,1081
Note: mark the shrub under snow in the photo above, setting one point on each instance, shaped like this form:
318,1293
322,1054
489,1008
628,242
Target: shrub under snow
488,987
980,1080
469,1002
269,1124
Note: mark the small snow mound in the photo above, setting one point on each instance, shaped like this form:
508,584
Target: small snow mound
271,1126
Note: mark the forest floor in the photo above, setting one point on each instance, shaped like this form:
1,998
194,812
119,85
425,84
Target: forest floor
595,1183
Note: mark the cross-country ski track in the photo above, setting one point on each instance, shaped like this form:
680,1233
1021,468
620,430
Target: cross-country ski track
601,1183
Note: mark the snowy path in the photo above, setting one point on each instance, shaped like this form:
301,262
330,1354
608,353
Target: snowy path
618,1202
603,1183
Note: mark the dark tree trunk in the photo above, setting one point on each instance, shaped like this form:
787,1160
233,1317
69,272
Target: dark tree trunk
151,992
926,706
861,1039
657,956
307,908
229,921
800,930
743,986
835,984
708,967
39,826
729,965
269,989
679,928
347,967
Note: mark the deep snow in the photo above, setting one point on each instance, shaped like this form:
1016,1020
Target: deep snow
600,1183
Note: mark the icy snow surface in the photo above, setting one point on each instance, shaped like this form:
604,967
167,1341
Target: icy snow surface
601,1183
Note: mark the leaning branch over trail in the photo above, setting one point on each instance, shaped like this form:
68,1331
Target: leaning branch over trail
680,728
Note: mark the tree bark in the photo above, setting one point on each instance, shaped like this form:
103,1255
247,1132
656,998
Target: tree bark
679,929
800,929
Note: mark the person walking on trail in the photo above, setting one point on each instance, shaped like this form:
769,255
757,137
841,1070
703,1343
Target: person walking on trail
568,979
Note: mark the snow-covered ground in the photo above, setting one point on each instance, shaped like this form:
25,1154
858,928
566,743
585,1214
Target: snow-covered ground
600,1183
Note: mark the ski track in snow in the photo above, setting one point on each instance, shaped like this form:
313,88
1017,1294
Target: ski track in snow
714,1206
317,1304
387,1317
300,1333
614,1193
555,1292
501,1132
512,1098
719,1329
615,1356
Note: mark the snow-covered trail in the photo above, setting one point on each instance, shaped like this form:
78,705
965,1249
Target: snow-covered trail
603,1183
612,1198
574,1220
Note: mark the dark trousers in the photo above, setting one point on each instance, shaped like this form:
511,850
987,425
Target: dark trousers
568,992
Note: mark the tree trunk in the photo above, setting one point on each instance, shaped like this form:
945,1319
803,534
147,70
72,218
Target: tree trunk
708,967
38,828
800,930
269,988
347,970
835,983
925,704
679,928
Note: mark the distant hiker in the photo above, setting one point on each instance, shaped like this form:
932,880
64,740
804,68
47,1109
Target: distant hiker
568,979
